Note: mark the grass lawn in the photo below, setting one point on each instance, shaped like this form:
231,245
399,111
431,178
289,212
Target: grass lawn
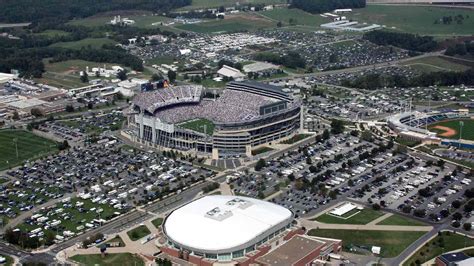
400,220
436,63
299,17
415,19
117,239
391,242
406,142
29,146
157,222
141,21
198,4
110,259
363,217
76,45
52,33
436,247
9,260
138,233
231,24
467,129
199,125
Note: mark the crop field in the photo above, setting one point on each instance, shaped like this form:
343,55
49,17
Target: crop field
197,4
199,125
416,19
298,16
452,129
84,43
29,146
229,24
436,63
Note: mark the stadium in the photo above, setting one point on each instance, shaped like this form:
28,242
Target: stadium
241,118
224,228
438,127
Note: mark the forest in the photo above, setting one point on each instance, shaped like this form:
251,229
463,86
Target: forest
406,41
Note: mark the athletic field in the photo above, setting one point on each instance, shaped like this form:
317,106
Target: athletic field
451,129
29,146
199,125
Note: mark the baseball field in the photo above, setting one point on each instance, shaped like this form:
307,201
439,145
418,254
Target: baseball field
452,129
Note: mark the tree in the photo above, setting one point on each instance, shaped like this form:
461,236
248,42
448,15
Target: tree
171,75
375,206
337,126
122,75
84,77
457,216
326,134
69,108
259,165
156,77
16,116
279,24
467,226
37,112
456,204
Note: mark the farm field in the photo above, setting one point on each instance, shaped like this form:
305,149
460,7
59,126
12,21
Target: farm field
197,4
436,63
198,125
229,24
416,19
84,43
299,16
29,145
111,259
467,129
392,243
363,217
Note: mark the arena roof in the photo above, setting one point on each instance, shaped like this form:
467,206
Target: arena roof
222,223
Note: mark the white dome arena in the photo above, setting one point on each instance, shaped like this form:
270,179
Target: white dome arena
225,227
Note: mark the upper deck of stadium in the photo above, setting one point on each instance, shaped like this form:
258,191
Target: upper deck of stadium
240,102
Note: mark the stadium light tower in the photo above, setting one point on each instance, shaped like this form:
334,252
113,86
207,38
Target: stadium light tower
461,124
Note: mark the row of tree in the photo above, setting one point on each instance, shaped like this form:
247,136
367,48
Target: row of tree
406,41
321,6
290,60
377,81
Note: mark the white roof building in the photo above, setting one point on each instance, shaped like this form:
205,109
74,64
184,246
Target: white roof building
227,225
230,72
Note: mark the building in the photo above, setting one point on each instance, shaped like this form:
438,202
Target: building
245,116
216,230
454,259
224,228
230,73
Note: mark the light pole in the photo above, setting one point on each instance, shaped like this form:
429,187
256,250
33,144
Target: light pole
15,140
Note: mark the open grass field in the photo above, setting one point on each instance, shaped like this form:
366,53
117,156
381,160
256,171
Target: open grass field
198,4
199,125
52,33
115,259
467,129
435,64
299,17
400,220
365,216
443,243
138,232
392,243
229,24
29,146
84,43
416,19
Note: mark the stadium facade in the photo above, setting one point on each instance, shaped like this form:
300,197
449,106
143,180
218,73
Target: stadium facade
246,115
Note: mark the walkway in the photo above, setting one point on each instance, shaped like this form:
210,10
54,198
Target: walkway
372,227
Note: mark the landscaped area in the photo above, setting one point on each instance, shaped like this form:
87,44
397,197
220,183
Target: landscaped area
116,240
416,19
261,150
84,43
157,222
138,233
364,216
400,220
28,145
295,138
231,24
443,243
8,260
199,125
124,259
392,243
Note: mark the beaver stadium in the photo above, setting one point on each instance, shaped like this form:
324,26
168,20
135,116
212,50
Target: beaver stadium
230,123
